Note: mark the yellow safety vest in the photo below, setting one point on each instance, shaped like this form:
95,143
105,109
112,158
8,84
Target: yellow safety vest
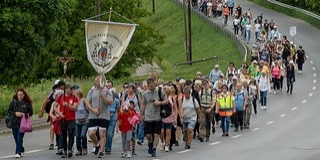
225,104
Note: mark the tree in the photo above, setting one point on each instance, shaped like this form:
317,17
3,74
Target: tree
27,26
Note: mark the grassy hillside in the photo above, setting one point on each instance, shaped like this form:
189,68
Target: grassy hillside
206,41
168,19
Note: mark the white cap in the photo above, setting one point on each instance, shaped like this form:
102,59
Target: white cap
56,82
254,61
216,66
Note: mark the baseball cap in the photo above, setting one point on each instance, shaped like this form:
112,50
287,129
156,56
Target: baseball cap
56,82
75,87
199,73
254,61
69,85
216,66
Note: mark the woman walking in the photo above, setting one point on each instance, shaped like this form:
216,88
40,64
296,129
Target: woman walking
290,74
81,125
264,86
20,106
191,114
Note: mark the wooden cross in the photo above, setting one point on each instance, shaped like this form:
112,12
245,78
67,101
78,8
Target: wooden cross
65,60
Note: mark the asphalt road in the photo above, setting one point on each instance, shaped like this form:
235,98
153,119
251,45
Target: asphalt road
288,130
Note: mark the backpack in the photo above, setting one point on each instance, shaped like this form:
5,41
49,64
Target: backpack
51,100
165,110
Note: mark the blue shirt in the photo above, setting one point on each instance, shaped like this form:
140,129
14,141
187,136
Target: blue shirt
113,109
239,100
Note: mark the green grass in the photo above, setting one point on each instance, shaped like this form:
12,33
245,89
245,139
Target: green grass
206,41
168,18
289,12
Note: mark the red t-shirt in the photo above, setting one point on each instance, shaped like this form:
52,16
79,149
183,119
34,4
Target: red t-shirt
125,126
70,114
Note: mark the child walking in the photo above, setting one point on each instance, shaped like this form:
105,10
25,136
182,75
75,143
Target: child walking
125,126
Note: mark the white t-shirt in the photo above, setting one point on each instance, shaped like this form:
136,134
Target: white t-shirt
189,110
248,27
257,27
236,21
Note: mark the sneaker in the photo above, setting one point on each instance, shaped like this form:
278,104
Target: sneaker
177,143
166,149
100,154
97,148
84,152
262,107
60,152
51,147
153,154
17,155
128,155
170,149
227,134
200,139
134,152
79,153
150,145
123,155
64,155
140,142
108,152
70,154
213,130
21,154
188,146
93,150
162,146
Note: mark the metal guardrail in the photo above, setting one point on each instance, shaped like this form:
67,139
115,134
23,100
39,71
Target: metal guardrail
241,46
295,8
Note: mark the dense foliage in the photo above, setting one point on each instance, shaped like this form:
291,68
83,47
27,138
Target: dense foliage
35,32
311,5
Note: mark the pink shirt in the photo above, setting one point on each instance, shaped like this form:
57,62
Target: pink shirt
169,119
276,72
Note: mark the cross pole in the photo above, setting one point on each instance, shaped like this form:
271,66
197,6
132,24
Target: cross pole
65,60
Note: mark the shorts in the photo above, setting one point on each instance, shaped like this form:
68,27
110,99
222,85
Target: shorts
191,124
134,133
98,123
167,125
153,127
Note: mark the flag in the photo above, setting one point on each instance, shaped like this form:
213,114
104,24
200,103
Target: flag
106,43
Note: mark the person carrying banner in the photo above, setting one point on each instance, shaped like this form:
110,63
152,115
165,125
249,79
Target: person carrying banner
98,100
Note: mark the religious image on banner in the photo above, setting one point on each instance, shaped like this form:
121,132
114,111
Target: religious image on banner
106,43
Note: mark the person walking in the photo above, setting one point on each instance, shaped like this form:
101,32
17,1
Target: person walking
215,74
264,86
191,114
81,125
167,123
254,93
114,109
225,14
98,100
300,58
290,74
225,108
239,101
208,101
276,74
67,112
150,114
20,106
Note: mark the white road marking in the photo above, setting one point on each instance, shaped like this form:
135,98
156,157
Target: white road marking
282,115
214,143
294,108
155,159
314,68
236,136
304,101
33,151
254,129
314,75
311,62
314,87
185,151
314,81
311,94
270,122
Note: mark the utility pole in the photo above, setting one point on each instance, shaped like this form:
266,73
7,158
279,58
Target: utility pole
189,32
97,9
186,41
153,7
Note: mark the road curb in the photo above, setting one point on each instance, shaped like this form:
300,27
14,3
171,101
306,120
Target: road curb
34,128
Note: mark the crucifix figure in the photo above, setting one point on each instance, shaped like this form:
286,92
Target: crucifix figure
65,60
